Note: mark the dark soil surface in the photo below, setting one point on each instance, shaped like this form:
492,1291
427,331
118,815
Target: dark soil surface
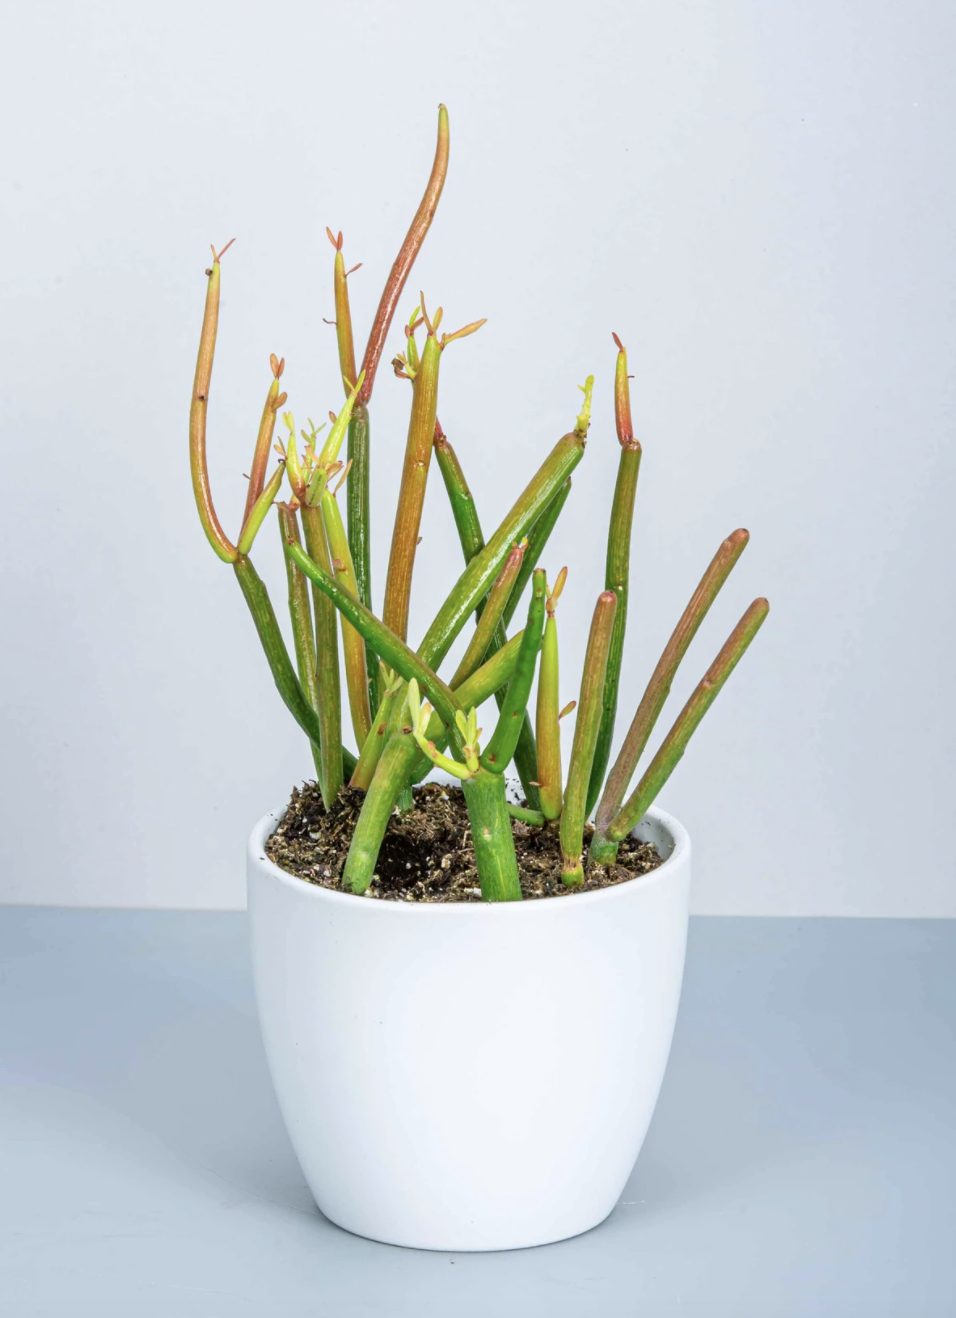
427,854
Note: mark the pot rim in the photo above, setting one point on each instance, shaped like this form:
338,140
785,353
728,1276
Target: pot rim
266,826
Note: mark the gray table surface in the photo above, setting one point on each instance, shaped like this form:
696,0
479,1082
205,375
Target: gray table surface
802,1160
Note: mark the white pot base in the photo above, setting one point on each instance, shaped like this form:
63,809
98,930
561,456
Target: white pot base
469,1077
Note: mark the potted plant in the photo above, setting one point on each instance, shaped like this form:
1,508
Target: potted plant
467,1003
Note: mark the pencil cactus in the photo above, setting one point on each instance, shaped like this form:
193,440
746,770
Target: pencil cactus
405,718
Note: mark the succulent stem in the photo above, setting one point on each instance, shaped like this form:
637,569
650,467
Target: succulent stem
472,542
585,737
406,257
260,456
492,837
500,749
675,743
358,514
198,407
659,686
533,817
257,514
283,674
330,449
538,537
385,643
460,497
489,680
494,607
493,675
374,744
328,683
618,567
411,497
475,581
547,726
353,646
300,614
343,317
390,778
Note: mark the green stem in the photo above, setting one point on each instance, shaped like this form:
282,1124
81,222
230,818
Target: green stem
475,581
675,743
472,542
358,517
411,495
385,643
658,688
328,681
300,614
585,737
492,837
389,780
547,728
260,510
460,498
500,749
374,743
533,817
538,537
493,676
616,578
283,674
490,617
353,646
525,755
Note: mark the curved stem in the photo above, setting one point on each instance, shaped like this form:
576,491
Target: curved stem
406,257
260,455
198,467
283,674
460,497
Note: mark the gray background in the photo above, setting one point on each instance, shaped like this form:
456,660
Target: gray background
757,197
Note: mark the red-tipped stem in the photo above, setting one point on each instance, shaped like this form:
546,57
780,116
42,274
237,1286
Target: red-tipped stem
406,257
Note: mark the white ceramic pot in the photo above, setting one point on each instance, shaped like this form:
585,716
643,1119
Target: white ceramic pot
469,1076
